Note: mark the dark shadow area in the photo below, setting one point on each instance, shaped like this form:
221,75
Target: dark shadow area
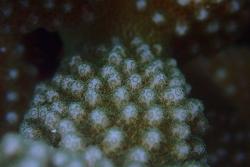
44,50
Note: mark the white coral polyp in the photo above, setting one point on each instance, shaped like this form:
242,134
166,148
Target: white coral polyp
108,71
33,113
158,81
173,94
176,81
181,28
115,58
92,155
153,68
202,14
76,88
129,66
158,18
194,108
181,131
98,118
57,79
147,96
138,154
179,114
51,95
154,116
51,120
58,107
120,96
29,131
92,97
66,82
38,150
66,126
181,150
60,158
129,113
134,81
94,84
113,139
114,81
84,70
144,53
72,142
141,5
38,99
152,138
11,145
76,111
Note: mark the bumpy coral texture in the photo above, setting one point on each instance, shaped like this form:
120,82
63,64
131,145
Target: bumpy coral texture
133,105
27,153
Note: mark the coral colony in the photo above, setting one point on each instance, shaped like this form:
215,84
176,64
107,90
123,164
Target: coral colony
133,108
118,97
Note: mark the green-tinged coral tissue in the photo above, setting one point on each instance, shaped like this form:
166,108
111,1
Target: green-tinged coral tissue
132,104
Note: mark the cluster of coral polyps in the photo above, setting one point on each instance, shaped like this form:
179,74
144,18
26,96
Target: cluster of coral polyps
17,151
132,104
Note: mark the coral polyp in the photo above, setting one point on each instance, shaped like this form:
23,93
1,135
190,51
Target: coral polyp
132,104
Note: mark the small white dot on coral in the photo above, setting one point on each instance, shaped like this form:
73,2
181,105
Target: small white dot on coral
183,2
11,117
138,154
11,96
67,7
158,18
13,73
181,28
2,49
202,14
235,6
141,5
92,155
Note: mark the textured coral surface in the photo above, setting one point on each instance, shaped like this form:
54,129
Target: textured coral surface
133,104
17,151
